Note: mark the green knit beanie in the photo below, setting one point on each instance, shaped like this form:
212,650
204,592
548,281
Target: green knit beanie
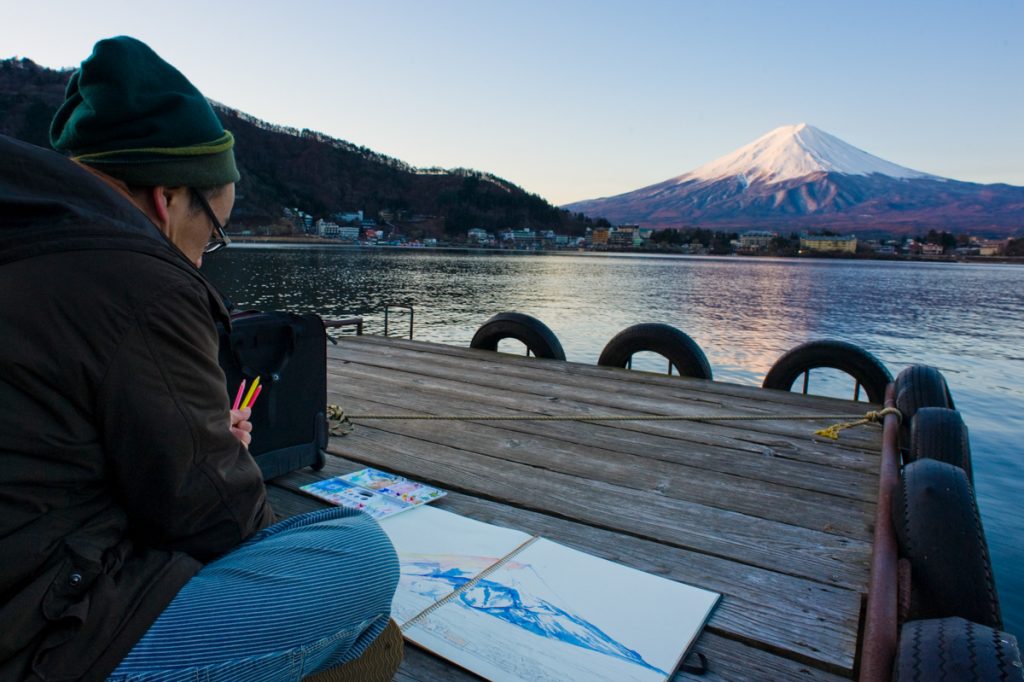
132,115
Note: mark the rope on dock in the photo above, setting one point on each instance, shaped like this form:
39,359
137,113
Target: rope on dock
872,417
341,424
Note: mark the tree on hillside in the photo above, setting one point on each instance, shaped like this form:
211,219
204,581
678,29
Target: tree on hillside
721,242
945,239
783,246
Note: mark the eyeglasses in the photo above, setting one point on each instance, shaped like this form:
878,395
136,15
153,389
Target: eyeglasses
218,238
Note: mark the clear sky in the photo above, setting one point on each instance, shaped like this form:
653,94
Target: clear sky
579,99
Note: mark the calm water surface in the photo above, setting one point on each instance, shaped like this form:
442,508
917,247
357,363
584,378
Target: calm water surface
965,319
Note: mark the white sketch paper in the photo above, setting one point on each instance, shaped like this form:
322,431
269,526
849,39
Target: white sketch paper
550,613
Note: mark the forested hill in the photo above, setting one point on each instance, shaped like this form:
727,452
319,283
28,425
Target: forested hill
283,167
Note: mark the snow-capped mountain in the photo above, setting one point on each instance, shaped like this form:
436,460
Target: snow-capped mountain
792,152
799,177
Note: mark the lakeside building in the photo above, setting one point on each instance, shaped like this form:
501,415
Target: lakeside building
331,230
625,236
521,239
327,229
756,240
478,235
834,243
599,236
371,235
992,247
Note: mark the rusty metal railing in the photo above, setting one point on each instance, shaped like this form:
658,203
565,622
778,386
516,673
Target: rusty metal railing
878,646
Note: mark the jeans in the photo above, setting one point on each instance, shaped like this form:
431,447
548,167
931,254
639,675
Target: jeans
306,594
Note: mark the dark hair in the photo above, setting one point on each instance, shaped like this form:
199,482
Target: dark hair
209,193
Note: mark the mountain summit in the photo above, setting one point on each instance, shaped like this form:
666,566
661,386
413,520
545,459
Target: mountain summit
799,177
792,152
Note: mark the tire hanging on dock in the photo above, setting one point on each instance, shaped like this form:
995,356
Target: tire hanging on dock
919,386
940,433
954,649
530,331
665,340
940,534
846,357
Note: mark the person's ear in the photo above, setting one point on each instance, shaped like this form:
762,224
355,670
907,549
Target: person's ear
159,201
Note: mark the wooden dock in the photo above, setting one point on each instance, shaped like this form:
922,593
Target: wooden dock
777,520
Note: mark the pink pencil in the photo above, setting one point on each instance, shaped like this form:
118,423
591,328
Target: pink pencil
238,398
252,401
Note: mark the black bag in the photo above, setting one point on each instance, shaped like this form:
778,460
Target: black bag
288,353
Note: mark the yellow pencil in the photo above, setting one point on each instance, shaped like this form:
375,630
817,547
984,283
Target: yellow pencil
248,396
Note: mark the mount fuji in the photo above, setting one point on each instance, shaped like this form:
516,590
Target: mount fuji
798,177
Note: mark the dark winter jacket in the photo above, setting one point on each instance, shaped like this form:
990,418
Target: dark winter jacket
119,476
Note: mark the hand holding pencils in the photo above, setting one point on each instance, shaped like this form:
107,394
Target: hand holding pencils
241,427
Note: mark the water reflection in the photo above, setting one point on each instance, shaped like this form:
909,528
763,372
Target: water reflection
965,319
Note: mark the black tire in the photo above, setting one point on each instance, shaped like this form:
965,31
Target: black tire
954,649
868,370
940,433
533,333
940,534
919,386
665,340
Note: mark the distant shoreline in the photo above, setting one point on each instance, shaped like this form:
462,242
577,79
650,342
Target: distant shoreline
300,242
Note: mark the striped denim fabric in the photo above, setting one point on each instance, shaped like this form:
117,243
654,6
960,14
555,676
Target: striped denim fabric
306,594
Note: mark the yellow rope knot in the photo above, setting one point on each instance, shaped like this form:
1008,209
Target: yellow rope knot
339,423
872,417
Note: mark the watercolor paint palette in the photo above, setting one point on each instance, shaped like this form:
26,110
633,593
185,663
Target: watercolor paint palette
378,493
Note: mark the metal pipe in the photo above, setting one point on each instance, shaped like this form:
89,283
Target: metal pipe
878,646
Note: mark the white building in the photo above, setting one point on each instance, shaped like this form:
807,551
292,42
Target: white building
326,228
349,233
757,240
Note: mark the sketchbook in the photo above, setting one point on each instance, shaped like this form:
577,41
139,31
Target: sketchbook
510,606
373,491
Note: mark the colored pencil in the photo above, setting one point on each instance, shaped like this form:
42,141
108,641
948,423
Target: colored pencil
238,397
254,396
252,389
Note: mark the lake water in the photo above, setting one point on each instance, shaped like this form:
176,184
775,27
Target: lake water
965,319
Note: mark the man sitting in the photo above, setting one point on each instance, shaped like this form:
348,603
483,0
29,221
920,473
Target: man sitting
136,537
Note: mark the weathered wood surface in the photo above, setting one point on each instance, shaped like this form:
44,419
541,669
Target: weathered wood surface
775,519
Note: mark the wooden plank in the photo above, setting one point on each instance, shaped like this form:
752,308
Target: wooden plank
421,356
751,436
541,372
549,367
790,549
568,373
790,616
352,386
796,506
729,661
606,395
733,437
